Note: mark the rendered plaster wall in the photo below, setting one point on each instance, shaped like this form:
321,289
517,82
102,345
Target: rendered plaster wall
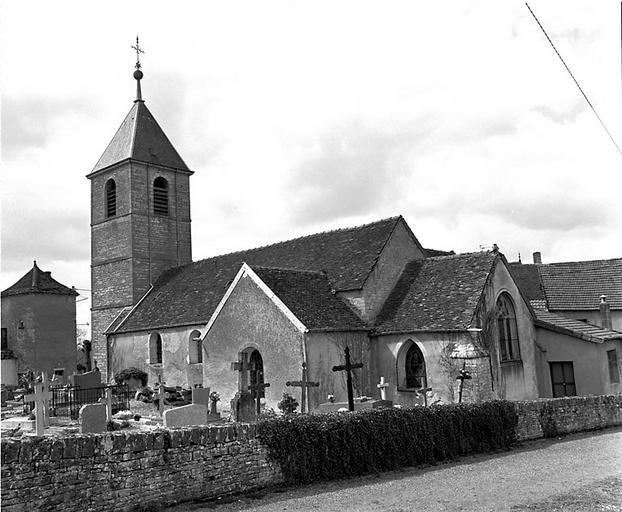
400,249
590,364
441,369
48,338
518,380
132,349
130,472
325,350
249,319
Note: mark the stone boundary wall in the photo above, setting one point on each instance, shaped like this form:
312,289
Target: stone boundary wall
143,471
140,471
549,417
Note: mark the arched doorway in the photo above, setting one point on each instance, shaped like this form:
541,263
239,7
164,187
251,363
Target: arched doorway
255,373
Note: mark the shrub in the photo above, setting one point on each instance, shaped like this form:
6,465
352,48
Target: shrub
328,446
288,404
131,373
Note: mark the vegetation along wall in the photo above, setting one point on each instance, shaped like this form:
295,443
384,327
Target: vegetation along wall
143,471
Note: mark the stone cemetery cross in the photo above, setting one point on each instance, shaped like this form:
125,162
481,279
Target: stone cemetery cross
304,384
40,397
383,388
258,388
348,367
159,395
462,376
240,366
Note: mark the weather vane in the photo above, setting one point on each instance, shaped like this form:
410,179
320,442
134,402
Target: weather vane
138,52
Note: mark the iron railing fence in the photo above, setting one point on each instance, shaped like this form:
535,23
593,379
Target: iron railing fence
67,400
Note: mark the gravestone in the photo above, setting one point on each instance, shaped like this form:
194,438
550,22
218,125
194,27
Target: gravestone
243,407
186,416
40,397
200,396
87,380
303,384
348,367
92,418
359,404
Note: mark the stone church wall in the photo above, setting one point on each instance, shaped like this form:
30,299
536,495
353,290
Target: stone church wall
325,350
148,470
248,319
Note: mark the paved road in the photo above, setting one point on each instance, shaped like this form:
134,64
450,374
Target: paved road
528,474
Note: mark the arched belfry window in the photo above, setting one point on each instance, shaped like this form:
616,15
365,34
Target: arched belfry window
414,368
155,348
160,196
111,198
195,348
507,329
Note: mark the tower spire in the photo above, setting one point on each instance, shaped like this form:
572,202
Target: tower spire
138,74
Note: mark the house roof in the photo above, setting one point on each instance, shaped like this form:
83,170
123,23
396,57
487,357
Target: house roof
189,294
574,285
309,296
575,328
38,281
140,138
437,294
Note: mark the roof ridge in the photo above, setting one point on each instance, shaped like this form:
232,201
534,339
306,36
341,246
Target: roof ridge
283,269
446,256
575,262
339,230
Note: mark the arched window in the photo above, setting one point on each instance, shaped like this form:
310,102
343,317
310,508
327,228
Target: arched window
155,348
160,196
414,367
507,329
111,198
195,348
255,367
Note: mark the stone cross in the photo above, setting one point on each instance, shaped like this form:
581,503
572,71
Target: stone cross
424,392
159,396
383,388
240,366
257,389
462,376
348,367
304,384
108,399
40,397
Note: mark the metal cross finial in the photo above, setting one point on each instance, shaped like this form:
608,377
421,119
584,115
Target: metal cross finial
138,52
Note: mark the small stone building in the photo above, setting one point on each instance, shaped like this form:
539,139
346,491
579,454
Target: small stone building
39,324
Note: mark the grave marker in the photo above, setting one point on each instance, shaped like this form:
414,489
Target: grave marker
40,397
462,376
383,388
185,416
348,367
303,384
92,418
256,389
201,396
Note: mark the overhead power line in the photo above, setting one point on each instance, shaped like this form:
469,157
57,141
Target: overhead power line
575,80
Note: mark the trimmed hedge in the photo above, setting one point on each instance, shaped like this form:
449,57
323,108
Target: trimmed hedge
329,446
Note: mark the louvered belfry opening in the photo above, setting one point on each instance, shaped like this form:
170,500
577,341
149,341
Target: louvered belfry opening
160,196
111,198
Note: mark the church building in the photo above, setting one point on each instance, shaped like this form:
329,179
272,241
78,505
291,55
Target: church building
411,315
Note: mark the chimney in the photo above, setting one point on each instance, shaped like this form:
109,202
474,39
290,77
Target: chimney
537,258
605,313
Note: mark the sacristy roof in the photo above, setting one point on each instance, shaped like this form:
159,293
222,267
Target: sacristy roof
437,294
575,328
38,281
140,138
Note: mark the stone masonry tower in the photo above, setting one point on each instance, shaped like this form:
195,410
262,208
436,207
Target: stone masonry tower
140,218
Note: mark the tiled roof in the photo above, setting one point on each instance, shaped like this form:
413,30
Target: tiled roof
437,294
528,280
140,138
575,328
436,252
578,285
189,294
308,295
38,281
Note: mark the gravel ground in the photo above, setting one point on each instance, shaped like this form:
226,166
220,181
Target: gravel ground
528,475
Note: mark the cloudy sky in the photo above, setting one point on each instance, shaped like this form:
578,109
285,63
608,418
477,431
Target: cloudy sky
299,117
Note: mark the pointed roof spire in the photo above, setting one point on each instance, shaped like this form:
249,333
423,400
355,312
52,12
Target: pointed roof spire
138,74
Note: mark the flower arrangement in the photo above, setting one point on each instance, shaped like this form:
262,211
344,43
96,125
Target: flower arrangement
214,396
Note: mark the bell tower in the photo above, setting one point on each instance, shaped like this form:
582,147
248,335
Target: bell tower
140,217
